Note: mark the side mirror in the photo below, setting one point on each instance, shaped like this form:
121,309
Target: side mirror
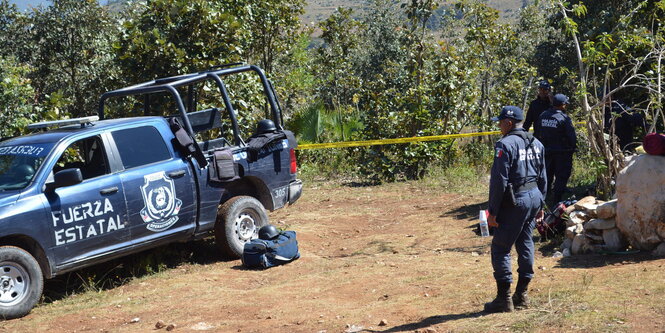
66,177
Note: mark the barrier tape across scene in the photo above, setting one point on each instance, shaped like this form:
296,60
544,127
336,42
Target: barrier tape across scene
378,142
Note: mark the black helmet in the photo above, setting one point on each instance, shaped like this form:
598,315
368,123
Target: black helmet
268,232
24,172
265,126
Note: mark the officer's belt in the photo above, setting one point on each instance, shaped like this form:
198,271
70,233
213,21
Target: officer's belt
526,187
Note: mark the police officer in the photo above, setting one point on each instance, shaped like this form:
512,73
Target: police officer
542,102
517,187
555,130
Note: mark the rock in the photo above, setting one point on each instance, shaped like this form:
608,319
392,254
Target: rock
584,202
589,234
578,245
614,240
600,224
659,251
566,243
135,320
574,230
383,322
569,209
578,217
170,327
160,324
641,202
607,210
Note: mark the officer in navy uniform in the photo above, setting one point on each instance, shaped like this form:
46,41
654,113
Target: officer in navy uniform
542,102
518,184
555,130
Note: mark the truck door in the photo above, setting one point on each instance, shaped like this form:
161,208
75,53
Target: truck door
159,186
88,219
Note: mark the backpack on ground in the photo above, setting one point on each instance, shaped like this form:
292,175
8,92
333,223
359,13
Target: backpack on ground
261,253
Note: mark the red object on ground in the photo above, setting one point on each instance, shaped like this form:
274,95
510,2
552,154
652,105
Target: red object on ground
654,144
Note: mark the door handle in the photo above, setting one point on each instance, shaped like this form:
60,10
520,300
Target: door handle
109,190
177,174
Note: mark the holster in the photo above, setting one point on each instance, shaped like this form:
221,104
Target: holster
510,195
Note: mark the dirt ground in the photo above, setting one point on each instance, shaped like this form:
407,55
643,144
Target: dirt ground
394,258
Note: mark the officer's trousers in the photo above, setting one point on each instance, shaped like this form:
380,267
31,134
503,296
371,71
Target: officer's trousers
559,166
516,225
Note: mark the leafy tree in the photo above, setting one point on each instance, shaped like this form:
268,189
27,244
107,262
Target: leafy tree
615,53
274,26
71,53
171,37
333,61
16,93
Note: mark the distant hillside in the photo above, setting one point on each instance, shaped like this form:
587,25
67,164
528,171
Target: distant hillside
319,10
315,10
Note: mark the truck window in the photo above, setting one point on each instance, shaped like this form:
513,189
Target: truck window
140,146
86,154
19,163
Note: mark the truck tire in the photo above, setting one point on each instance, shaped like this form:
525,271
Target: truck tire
238,221
21,282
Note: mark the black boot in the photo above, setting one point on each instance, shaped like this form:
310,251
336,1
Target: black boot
502,302
520,298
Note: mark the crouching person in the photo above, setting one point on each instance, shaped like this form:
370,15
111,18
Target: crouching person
517,187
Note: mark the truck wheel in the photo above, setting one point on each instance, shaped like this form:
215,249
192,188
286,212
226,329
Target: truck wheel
238,222
21,282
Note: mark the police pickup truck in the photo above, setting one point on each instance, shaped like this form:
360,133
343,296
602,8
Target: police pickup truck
81,191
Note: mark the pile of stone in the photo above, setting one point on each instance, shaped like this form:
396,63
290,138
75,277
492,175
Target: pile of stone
591,227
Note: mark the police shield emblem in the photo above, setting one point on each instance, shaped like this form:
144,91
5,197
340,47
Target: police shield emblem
161,205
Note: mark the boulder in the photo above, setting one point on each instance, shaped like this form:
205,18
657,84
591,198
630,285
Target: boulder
569,209
593,236
640,211
659,251
579,244
577,217
614,240
574,230
600,224
585,202
607,210
566,244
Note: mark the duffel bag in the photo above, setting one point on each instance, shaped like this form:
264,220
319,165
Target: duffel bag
260,253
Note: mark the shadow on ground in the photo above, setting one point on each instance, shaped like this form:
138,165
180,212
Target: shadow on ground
601,260
115,273
466,212
430,321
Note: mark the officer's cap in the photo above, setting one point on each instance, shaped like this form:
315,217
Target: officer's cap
544,85
560,99
510,111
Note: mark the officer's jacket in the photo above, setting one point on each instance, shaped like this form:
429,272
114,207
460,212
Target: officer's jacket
536,108
517,165
555,130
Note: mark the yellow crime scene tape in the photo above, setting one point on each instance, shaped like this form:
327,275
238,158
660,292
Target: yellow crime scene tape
345,144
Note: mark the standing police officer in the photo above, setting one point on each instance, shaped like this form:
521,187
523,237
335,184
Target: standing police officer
542,102
555,130
517,188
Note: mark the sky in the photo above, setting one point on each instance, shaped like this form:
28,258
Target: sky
25,4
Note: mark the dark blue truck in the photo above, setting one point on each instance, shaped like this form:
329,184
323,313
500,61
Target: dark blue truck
81,191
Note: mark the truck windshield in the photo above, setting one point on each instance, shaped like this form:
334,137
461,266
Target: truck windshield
19,163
